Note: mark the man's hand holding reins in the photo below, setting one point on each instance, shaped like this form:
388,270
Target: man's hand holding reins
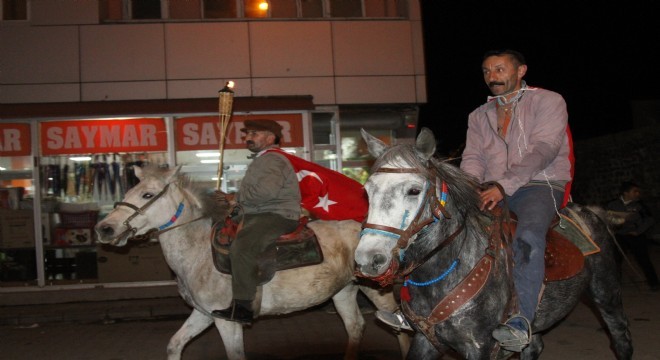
490,197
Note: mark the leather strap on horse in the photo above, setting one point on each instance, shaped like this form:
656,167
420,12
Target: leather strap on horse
502,227
415,225
468,288
450,239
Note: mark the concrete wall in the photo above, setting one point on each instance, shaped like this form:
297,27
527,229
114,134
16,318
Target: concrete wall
602,163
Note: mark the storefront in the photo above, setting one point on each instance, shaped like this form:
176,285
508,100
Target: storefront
60,174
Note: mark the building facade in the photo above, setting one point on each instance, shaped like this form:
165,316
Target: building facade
126,69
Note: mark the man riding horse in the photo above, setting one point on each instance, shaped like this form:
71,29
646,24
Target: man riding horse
269,200
518,142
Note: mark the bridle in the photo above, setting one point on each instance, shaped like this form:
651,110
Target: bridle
152,233
417,224
404,236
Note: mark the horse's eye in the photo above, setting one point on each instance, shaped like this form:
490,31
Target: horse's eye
413,192
147,196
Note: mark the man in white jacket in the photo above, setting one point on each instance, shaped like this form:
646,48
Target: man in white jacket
519,139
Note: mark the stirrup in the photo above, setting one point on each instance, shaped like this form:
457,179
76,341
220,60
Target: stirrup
394,319
511,338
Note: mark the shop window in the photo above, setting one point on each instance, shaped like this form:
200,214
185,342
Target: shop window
189,9
356,160
220,9
384,8
110,10
311,8
145,9
198,147
256,8
283,9
346,8
115,10
14,9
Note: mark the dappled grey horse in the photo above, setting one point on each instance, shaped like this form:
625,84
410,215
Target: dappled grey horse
424,223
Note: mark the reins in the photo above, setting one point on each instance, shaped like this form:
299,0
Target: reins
152,233
438,211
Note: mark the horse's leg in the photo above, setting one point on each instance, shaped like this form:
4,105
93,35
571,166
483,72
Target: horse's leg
384,299
605,291
193,326
232,337
422,349
347,307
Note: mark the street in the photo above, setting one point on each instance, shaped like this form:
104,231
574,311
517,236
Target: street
314,334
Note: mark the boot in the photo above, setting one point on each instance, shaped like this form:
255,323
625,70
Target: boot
238,311
394,319
514,335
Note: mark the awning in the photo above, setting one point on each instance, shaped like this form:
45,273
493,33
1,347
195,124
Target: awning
150,107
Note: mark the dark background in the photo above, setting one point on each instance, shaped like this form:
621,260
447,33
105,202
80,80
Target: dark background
599,56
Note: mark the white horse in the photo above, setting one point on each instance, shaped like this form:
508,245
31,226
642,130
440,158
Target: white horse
165,199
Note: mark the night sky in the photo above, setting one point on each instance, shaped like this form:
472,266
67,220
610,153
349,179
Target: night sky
599,56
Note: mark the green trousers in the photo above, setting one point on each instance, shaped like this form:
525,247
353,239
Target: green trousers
259,232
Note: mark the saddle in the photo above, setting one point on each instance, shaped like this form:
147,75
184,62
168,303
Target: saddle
566,246
296,249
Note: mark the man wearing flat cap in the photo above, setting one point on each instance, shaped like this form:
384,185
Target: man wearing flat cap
269,198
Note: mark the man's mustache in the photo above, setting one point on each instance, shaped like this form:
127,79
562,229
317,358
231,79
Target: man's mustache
495,83
249,142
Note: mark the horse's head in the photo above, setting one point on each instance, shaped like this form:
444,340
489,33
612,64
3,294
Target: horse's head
402,199
151,205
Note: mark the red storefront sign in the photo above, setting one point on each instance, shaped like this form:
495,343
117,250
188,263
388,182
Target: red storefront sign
202,132
103,136
15,139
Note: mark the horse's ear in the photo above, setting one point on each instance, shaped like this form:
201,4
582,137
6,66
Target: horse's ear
138,172
174,174
375,146
425,144
177,170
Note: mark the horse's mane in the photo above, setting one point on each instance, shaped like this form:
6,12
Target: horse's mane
212,208
463,202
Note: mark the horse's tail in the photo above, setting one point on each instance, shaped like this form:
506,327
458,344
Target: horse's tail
613,219
610,220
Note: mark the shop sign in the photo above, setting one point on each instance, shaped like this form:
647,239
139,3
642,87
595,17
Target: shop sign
103,136
203,132
15,139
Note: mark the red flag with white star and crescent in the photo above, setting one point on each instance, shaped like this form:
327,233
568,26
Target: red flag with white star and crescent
328,194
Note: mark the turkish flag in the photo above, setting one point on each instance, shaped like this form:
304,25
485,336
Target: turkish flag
328,194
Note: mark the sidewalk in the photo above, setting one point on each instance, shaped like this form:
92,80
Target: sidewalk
95,311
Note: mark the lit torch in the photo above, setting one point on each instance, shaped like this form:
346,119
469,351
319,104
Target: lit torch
225,103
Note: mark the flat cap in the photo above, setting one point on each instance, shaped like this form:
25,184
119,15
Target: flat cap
263,125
